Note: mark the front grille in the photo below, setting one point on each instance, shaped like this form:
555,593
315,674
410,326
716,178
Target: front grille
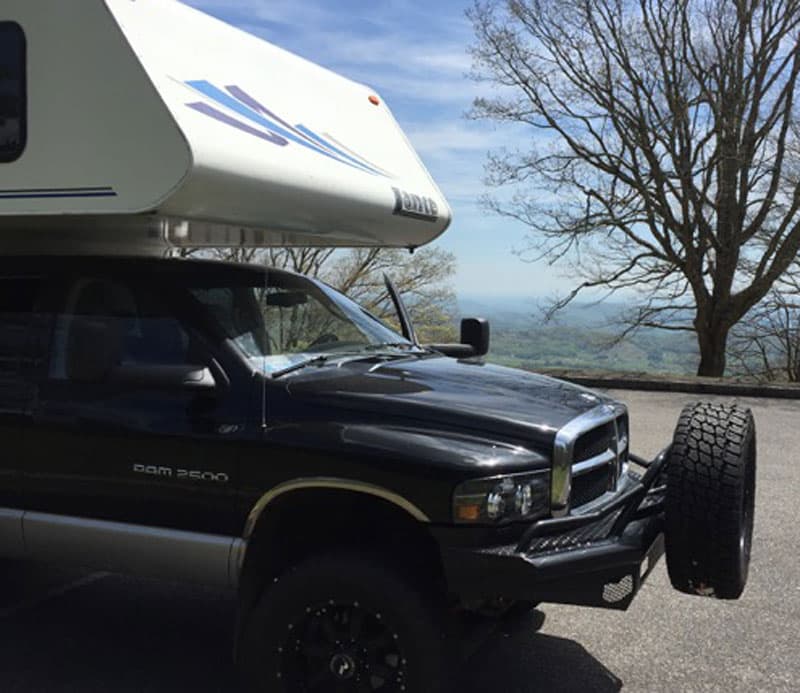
605,445
588,457
593,443
591,485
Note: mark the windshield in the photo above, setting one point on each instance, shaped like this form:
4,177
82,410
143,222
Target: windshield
278,319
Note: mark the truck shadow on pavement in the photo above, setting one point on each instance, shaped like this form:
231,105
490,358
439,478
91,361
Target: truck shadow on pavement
110,633
527,661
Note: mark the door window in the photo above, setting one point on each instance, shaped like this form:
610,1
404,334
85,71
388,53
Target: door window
106,324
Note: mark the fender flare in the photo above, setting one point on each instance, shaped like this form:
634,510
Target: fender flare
328,483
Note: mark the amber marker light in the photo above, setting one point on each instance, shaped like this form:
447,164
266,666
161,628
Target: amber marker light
469,513
374,100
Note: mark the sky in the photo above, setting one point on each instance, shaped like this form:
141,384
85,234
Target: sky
415,54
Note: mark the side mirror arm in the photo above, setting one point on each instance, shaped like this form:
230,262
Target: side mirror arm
456,351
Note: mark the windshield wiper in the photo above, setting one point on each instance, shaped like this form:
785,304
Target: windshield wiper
406,346
322,358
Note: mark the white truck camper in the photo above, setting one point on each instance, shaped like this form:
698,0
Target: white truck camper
145,125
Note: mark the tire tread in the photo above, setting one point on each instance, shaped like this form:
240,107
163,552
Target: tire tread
706,476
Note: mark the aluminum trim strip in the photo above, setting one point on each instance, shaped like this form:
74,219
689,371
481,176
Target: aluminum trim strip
561,483
330,483
236,561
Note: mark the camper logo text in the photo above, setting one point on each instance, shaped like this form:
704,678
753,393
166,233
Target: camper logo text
233,106
415,206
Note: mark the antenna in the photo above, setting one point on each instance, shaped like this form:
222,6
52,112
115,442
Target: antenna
265,346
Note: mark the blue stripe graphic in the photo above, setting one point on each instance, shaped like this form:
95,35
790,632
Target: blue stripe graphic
317,138
34,193
23,196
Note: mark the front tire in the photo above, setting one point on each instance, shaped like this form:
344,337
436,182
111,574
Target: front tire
710,501
343,622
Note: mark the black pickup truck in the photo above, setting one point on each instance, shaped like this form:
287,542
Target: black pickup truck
254,428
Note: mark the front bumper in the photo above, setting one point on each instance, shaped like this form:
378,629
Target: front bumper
599,557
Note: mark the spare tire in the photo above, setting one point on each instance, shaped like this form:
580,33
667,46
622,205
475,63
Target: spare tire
710,500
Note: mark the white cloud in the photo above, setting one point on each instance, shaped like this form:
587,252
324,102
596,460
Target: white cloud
446,137
261,12
404,49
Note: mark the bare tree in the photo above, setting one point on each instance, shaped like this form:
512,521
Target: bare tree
423,279
664,148
766,343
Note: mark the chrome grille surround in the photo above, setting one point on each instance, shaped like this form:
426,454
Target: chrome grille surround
564,448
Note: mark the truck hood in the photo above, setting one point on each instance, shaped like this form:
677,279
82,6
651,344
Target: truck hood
440,392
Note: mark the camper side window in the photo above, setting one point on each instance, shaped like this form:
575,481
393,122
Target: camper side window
12,92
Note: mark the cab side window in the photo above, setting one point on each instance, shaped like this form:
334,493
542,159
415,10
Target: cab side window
18,296
105,324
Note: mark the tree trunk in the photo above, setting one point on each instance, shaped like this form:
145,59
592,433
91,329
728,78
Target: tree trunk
712,340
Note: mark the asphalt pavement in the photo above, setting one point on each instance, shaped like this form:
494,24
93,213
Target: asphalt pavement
67,630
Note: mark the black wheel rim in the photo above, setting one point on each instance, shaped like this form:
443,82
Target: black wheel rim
342,648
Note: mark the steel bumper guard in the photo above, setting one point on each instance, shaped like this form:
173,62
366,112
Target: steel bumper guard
598,557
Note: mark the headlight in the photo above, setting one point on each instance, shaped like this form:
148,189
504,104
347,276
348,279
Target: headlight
502,498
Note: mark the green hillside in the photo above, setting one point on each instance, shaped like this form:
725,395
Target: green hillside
582,338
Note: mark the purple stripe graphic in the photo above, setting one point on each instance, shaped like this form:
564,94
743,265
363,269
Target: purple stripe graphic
228,120
250,102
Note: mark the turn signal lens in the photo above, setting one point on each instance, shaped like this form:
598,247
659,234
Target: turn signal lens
469,513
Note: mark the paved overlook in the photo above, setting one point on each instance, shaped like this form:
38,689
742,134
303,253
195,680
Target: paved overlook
66,631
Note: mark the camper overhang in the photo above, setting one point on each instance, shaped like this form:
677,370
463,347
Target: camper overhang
150,124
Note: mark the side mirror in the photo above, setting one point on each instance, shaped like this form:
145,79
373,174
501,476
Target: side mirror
165,376
474,340
475,332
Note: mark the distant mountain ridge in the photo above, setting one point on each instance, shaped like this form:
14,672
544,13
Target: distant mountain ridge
582,335
508,311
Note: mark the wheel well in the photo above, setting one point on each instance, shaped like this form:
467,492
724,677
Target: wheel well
301,523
